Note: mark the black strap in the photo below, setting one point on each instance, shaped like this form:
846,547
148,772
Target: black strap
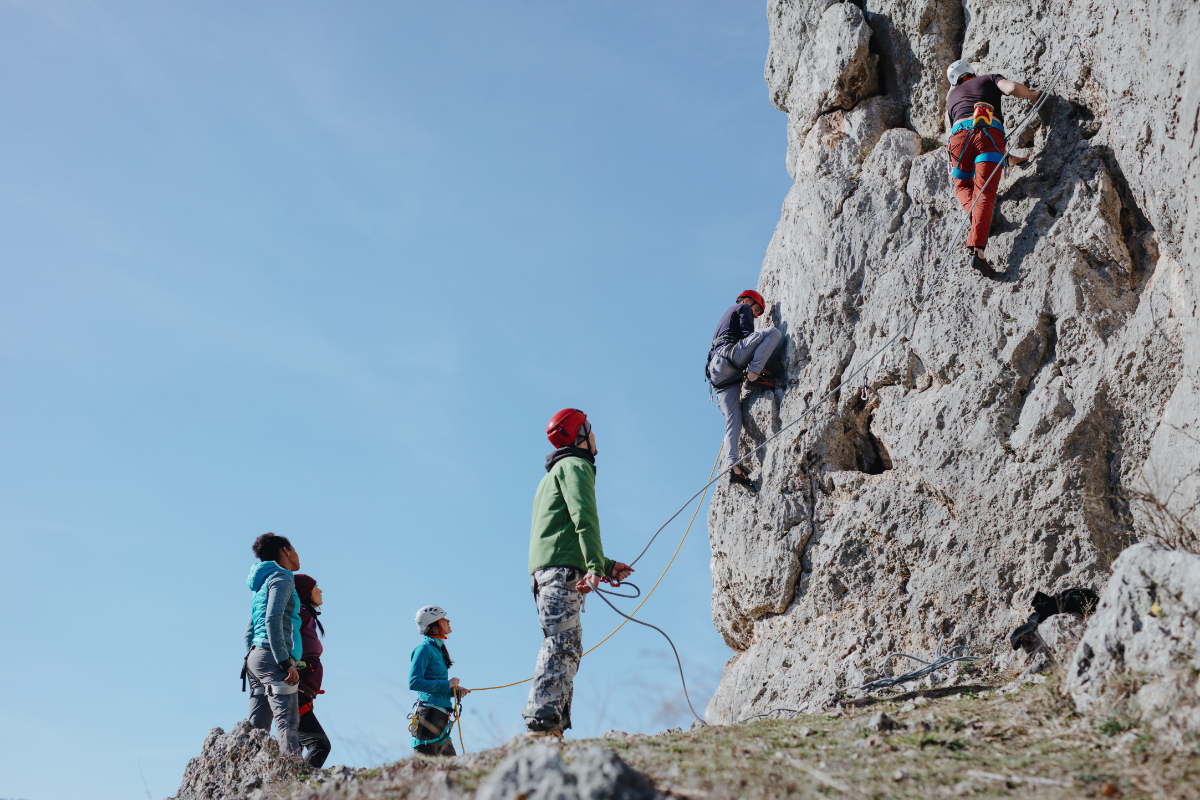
722,341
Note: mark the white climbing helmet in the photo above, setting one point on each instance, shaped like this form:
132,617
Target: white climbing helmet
957,70
428,615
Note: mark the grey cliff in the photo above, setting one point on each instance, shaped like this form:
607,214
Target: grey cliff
987,454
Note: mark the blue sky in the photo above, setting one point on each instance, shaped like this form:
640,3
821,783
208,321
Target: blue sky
326,270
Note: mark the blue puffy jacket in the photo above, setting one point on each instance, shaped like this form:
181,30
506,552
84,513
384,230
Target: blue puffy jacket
428,676
274,612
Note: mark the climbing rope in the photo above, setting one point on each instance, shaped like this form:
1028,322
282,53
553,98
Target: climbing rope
630,618
713,477
1017,130
936,662
792,711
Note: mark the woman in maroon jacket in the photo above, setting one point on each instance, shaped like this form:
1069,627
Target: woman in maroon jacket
312,735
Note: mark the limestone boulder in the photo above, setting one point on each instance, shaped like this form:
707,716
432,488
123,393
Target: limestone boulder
235,764
836,71
1144,641
593,774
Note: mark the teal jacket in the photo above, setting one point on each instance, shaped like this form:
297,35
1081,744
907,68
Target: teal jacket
566,525
274,612
428,676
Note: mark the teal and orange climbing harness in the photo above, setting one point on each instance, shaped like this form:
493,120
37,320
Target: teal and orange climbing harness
981,121
452,716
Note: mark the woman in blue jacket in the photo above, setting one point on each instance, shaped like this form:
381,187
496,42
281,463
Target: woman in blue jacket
428,676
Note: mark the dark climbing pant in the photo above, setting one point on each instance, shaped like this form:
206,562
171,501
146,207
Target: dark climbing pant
313,740
980,157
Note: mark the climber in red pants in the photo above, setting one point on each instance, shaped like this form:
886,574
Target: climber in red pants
976,146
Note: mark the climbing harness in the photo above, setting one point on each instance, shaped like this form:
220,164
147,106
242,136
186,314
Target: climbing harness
981,121
936,662
846,379
722,348
452,716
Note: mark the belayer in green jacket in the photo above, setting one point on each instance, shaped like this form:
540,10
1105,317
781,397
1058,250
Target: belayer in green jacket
566,561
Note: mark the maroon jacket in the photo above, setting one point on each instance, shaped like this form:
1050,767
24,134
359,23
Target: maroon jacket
312,674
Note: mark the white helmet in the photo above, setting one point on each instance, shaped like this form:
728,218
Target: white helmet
428,615
957,70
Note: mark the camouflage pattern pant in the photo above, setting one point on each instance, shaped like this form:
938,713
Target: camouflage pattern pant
558,605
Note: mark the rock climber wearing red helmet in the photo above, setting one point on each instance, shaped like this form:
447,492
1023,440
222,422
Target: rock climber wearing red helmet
736,347
566,561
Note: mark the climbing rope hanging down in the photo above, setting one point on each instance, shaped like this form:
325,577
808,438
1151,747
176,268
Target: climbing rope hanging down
1020,127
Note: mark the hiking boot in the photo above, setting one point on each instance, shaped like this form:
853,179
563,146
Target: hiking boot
742,480
761,382
545,735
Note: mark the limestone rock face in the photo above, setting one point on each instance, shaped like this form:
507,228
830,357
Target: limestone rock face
235,764
1145,632
985,455
836,71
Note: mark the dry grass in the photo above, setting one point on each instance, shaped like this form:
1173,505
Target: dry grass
964,741
971,742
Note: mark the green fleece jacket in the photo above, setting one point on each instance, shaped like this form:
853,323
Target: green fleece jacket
566,527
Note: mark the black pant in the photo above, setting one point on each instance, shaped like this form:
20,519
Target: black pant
431,722
313,739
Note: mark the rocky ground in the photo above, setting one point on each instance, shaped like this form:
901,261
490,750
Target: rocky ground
978,738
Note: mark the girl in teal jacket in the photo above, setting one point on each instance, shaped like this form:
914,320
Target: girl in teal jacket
429,677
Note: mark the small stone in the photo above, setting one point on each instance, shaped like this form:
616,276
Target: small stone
614,734
805,732
1108,790
909,706
882,722
900,775
920,701
878,742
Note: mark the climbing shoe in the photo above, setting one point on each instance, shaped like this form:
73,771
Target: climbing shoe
761,382
742,480
983,267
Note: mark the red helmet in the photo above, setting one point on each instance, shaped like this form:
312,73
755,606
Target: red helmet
755,296
563,427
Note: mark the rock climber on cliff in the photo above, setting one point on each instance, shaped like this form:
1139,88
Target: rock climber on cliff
976,146
566,561
738,348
